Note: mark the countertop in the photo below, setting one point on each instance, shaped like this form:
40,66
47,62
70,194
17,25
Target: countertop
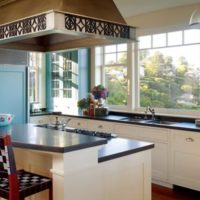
118,147
31,137
179,122
28,136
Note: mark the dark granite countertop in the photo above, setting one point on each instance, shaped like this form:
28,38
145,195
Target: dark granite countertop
35,138
41,113
180,123
31,137
118,147
187,125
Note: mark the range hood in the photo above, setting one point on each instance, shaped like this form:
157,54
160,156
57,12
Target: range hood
50,25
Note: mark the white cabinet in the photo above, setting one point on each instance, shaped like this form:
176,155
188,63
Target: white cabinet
175,158
43,119
77,123
160,154
88,124
60,118
185,154
101,126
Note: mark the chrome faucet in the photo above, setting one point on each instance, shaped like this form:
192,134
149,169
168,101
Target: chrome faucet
152,111
145,112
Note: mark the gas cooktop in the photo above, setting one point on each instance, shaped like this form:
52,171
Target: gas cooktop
78,131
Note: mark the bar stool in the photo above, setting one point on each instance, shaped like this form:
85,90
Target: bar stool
18,184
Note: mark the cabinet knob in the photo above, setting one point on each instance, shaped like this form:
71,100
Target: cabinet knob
78,123
189,139
100,126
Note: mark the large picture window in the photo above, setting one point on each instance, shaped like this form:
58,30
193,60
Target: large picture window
169,70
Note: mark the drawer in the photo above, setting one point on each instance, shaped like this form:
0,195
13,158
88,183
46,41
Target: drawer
100,126
186,142
77,123
39,120
62,119
143,132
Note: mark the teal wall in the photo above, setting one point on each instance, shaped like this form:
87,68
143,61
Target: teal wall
13,91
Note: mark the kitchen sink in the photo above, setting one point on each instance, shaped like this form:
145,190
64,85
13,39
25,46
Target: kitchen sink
161,122
147,121
133,119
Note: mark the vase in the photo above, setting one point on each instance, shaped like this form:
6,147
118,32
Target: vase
101,102
85,112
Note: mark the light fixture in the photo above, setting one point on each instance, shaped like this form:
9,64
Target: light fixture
195,18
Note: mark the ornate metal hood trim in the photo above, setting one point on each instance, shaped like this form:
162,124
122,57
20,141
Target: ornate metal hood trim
56,30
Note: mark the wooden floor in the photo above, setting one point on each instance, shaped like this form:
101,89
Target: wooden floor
178,193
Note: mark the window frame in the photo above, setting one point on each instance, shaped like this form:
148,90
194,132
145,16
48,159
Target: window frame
38,63
101,78
133,101
34,66
164,111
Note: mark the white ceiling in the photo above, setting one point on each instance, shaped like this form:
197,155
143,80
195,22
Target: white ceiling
136,7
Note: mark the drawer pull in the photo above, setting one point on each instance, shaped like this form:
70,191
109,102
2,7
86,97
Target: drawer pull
100,126
189,139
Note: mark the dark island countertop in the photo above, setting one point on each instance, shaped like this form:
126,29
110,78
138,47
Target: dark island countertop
31,137
118,147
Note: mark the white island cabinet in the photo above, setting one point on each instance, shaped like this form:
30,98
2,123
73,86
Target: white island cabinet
159,136
84,167
175,157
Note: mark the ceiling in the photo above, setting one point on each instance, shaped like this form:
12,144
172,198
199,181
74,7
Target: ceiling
136,7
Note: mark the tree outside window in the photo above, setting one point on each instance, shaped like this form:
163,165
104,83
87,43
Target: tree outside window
115,74
170,77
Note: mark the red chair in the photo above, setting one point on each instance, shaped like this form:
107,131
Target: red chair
18,184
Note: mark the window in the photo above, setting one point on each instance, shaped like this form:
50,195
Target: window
35,64
64,81
169,70
112,64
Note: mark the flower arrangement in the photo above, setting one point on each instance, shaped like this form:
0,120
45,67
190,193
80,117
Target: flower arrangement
99,92
93,104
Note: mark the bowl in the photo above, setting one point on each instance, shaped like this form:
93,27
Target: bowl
6,119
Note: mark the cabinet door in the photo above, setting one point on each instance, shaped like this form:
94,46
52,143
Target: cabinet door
77,123
100,126
60,118
40,119
186,159
160,153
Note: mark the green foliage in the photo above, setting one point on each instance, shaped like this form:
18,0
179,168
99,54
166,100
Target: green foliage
117,94
83,103
116,79
167,86
162,84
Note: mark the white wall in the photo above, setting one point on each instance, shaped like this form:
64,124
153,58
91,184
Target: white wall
163,20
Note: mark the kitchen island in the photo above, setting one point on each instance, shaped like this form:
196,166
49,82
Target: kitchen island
84,167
